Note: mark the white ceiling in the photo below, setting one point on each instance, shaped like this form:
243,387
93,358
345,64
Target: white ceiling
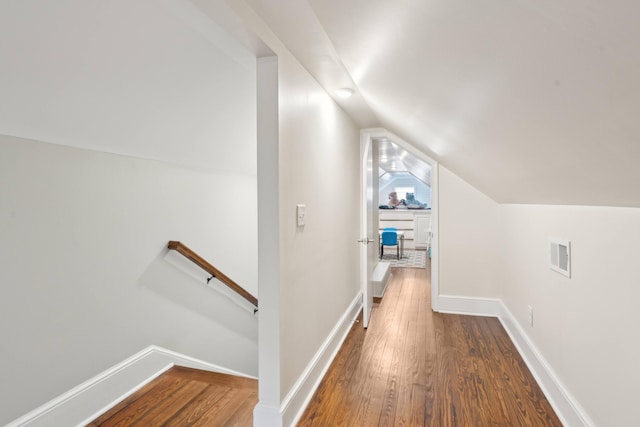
529,101
394,159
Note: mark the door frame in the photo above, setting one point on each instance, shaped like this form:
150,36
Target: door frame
367,137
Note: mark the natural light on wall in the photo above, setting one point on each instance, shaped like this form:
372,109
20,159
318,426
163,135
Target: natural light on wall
344,92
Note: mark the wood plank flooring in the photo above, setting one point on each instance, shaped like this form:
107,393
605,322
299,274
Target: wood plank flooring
413,367
186,397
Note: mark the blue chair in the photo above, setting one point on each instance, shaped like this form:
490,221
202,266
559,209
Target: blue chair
389,238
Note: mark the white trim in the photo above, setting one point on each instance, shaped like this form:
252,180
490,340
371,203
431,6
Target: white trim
267,415
474,306
191,362
567,408
296,401
435,236
85,402
570,412
373,133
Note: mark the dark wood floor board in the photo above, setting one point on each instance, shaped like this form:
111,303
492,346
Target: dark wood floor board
164,411
219,413
341,378
186,397
163,388
242,417
402,368
413,367
372,372
189,414
364,392
128,401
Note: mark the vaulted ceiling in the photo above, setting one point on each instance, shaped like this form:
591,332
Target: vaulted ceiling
530,101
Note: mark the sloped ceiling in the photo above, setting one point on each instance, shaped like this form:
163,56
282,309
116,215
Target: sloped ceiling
394,159
529,101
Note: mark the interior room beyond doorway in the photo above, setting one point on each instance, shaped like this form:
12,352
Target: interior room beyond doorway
404,195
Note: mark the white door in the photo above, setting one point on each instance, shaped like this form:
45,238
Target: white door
368,223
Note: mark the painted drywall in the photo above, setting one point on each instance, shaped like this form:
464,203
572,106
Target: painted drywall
131,124
469,239
584,326
87,280
319,167
268,241
151,79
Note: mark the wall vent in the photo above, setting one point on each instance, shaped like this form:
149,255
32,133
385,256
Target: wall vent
560,256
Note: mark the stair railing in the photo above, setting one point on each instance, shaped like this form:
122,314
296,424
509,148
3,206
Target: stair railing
215,273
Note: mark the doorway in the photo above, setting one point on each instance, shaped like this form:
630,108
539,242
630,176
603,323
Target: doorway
418,162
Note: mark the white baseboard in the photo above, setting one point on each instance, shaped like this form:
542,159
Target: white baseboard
87,401
566,406
295,402
474,306
267,416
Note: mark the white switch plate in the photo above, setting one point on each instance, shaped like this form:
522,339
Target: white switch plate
300,214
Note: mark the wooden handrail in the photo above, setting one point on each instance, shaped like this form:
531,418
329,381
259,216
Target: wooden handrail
203,264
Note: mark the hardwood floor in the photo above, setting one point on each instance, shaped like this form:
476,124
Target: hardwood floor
413,367
186,397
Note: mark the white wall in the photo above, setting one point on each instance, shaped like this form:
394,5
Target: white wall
86,280
470,240
319,165
152,79
86,277
585,326
318,273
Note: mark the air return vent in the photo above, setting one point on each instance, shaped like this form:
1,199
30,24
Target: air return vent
560,256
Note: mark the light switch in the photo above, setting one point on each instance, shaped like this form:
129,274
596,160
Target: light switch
300,214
